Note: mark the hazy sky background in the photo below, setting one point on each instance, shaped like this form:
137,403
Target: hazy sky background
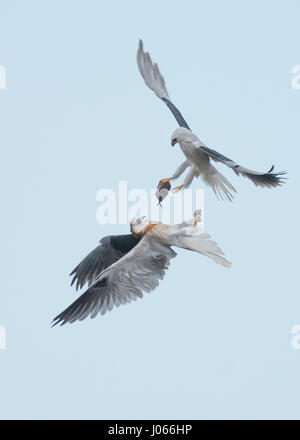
76,117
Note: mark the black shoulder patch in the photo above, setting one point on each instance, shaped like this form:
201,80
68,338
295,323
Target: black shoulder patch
124,243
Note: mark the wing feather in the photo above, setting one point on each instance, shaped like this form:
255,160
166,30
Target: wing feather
267,179
155,81
110,250
124,281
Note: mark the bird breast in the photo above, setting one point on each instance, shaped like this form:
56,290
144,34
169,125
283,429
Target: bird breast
195,156
150,227
161,232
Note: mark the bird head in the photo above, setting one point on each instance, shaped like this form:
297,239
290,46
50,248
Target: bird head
137,225
182,135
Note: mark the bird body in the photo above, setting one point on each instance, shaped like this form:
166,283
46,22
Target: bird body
121,268
200,164
198,156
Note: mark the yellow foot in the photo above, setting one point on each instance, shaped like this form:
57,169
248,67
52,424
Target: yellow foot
197,216
166,180
177,188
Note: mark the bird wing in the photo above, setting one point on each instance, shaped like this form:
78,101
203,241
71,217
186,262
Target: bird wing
138,271
155,81
268,179
110,250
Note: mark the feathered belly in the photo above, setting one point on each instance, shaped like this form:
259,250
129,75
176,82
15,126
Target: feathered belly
196,158
163,232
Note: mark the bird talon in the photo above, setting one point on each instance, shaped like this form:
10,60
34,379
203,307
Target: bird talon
166,180
177,188
197,219
197,215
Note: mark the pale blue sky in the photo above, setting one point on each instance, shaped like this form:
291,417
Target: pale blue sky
76,117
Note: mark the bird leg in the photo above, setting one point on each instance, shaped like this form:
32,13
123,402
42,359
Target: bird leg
189,227
192,221
166,180
180,170
164,185
197,216
178,188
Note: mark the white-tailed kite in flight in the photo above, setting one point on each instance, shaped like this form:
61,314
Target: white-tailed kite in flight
122,267
198,156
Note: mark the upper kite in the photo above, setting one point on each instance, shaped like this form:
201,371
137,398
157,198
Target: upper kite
198,155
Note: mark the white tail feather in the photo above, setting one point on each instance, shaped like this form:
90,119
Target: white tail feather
220,185
202,244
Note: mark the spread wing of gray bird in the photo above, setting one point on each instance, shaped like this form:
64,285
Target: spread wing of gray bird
155,81
138,271
141,268
267,179
110,250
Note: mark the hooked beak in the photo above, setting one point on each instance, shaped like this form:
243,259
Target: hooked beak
173,142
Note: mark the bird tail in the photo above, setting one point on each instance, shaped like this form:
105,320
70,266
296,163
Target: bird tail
220,185
201,243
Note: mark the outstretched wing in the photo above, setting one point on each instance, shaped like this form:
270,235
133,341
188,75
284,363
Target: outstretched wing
124,281
155,81
110,250
268,179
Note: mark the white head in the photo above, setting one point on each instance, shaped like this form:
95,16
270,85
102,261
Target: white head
137,224
182,135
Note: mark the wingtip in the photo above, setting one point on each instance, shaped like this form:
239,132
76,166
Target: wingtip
57,321
73,271
73,279
141,46
271,169
280,173
53,323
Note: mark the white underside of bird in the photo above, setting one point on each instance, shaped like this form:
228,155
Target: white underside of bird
199,164
139,270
